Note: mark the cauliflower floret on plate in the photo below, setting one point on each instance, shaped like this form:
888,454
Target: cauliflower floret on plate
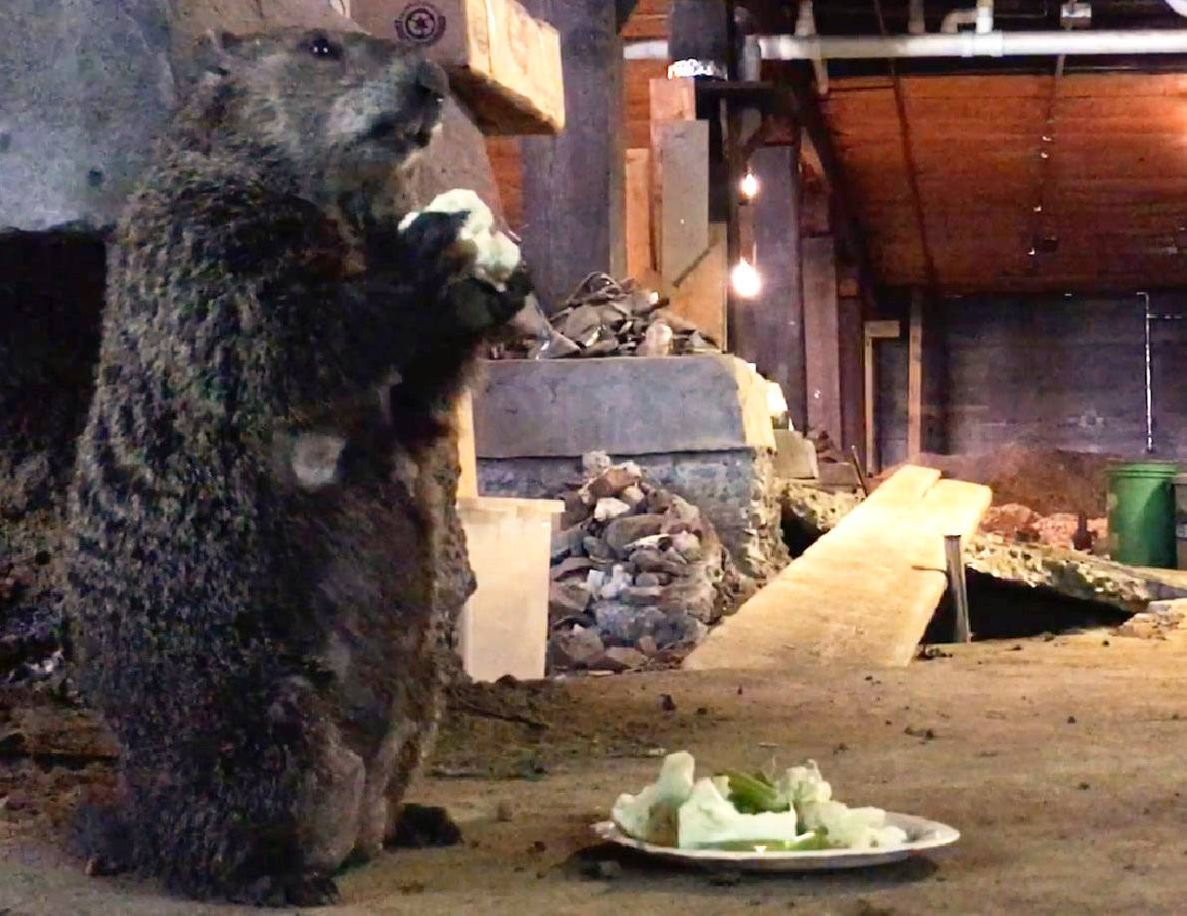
708,819
651,815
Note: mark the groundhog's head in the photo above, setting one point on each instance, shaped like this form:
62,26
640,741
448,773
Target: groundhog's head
329,102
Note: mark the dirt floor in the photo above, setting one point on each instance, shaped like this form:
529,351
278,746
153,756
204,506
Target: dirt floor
1060,759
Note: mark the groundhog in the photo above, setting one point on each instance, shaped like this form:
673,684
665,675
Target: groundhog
266,557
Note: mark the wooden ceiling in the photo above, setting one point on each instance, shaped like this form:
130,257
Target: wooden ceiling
1113,188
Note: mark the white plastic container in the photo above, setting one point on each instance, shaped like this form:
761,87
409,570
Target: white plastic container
504,627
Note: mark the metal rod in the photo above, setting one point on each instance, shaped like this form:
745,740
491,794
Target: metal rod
958,586
1145,297
861,475
974,44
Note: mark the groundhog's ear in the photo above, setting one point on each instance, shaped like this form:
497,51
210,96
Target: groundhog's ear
217,52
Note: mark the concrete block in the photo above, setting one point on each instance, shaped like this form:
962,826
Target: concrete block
795,456
504,626
623,406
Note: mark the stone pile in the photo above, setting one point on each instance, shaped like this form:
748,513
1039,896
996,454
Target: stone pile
638,573
605,317
1022,525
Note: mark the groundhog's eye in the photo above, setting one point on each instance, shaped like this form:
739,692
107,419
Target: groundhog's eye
320,46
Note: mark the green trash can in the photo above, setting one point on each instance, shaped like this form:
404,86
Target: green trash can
1142,513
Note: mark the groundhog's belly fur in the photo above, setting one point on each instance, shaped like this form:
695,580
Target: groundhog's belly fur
267,560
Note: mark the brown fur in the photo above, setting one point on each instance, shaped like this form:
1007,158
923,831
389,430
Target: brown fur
266,556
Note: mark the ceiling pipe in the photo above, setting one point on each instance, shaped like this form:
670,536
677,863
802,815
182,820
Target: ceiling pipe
980,17
805,27
973,44
916,24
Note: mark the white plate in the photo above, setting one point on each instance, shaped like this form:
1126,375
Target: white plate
922,836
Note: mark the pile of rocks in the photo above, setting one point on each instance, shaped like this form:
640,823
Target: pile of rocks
1022,525
605,317
638,573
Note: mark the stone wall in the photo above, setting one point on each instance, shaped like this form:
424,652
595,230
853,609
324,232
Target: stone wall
736,489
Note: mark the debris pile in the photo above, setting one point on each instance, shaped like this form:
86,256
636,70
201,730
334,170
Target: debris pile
1022,525
605,317
638,573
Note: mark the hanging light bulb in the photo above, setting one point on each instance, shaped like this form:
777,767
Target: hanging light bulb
746,281
749,185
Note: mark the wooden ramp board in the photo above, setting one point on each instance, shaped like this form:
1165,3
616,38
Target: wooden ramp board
865,592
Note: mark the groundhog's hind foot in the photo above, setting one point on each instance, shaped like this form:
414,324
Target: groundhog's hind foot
307,890
421,827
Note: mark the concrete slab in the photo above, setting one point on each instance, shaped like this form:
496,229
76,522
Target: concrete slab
622,406
864,592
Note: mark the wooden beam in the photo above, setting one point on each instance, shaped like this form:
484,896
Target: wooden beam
623,10
851,370
806,108
915,378
699,30
682,217
874,331
822,336
574,188
770,330
926,372
640,262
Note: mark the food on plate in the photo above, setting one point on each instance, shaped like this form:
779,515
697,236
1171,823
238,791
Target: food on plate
495,255
732,810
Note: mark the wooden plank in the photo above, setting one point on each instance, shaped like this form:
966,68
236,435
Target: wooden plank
672,100
701,296
463,412
683,212
821,336
639,261
818,610
574,189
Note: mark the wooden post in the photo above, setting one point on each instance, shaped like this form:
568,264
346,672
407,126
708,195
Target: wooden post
851,338
958,586
822,336
574,188
915,378
769,330
926,372
874,331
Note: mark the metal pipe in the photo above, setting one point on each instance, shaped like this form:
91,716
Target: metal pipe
974,44
1145,297
954,553
916,24
980,17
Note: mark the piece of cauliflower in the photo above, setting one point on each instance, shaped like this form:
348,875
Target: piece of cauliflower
651,815
708,819
495,255
804,785
851,828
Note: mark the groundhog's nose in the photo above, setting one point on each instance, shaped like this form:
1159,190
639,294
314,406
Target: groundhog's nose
431,78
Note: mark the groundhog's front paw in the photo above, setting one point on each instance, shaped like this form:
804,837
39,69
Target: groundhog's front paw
289,890
428,249
476,307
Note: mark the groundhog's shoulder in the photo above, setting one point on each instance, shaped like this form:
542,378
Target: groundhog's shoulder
209,223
